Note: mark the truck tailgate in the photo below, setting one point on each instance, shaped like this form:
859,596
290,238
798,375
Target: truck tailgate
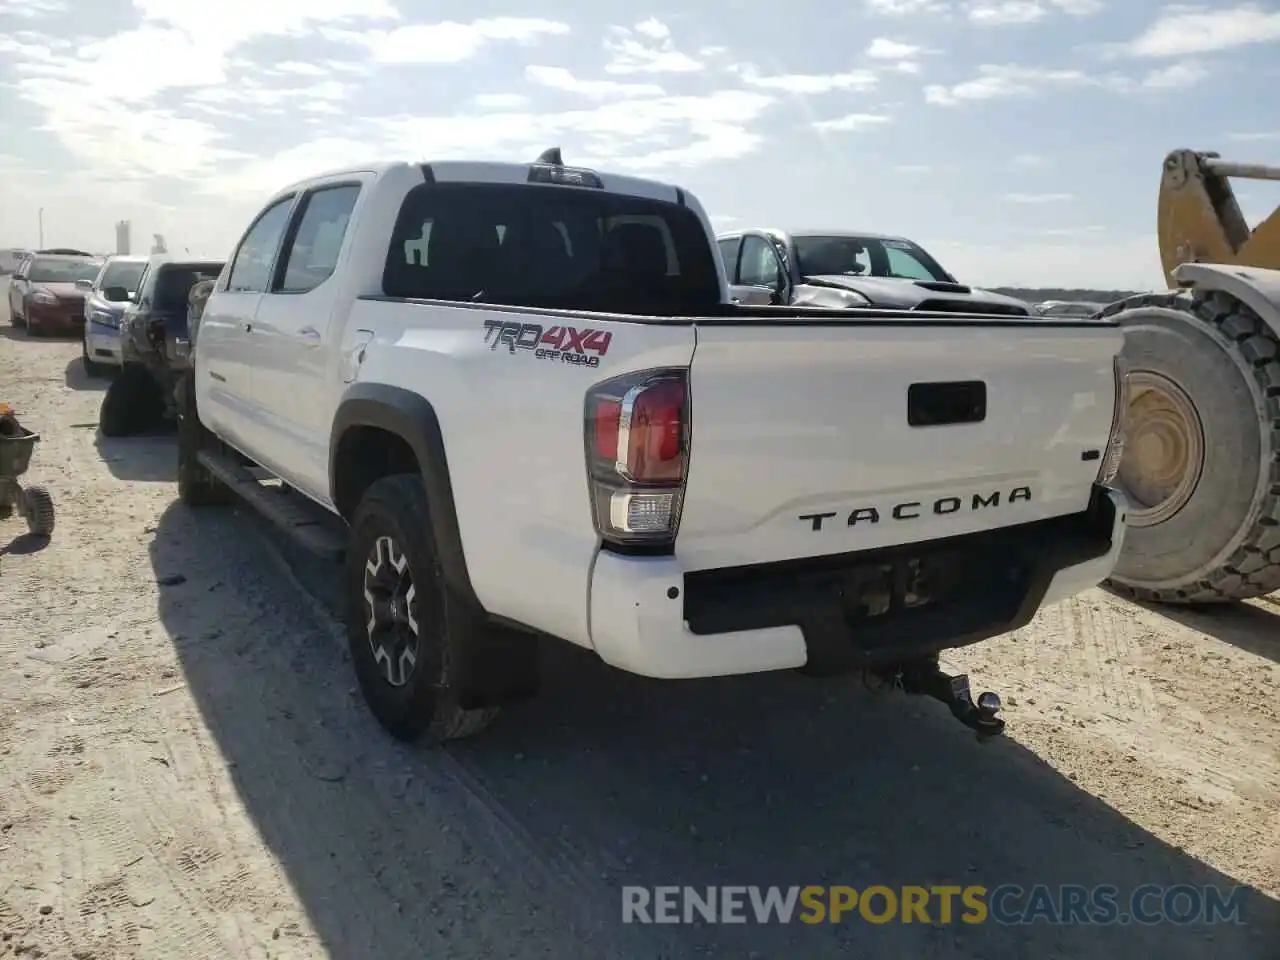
803,444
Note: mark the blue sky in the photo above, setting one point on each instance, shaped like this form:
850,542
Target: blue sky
1019,140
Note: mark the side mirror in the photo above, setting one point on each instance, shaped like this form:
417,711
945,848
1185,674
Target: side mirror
85,285
115,294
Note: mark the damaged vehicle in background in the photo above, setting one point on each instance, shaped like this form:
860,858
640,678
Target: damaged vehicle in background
44,295
848,269
101,342
154,346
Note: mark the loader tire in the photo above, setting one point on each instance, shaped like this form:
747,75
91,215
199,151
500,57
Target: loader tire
1201,464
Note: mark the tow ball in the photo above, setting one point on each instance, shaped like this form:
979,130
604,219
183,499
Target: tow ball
926,678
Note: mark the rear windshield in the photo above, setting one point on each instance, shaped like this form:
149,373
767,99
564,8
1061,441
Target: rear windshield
62,271
174,283
569,248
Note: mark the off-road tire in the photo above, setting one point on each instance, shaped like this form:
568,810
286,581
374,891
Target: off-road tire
38,511
133,404
1224,543
449,627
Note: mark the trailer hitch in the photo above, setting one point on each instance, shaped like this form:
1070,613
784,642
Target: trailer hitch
925,677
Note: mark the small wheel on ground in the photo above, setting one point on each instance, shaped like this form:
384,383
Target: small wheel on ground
1201,465
409,637
37,510
91,368
133,404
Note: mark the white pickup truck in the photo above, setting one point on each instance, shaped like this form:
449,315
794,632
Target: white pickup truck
517,400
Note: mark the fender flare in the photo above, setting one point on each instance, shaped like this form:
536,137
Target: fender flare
412,418
1256,288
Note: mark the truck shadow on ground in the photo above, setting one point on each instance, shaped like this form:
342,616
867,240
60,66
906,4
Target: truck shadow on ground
1253,627
526,835
150,457
76,378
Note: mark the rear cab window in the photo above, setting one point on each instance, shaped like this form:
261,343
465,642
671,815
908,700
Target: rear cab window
569,248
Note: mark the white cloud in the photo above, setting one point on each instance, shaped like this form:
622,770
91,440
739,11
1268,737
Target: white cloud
32,9
1254,136
998,81
807,83
882,48
1079,8
500,101
907,8
298,68
558,78
1181,31
1006,12
450,41
646,47
913,168
907,66
1037,197
852,122
639,135
1184,74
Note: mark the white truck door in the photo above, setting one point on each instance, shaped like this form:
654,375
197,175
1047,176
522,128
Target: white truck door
298,321
229,361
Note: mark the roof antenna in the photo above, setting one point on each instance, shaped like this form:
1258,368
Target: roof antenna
552,156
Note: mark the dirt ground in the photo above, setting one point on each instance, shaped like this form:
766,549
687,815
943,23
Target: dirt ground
186,770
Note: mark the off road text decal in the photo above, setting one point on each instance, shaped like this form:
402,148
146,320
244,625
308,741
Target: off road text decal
583,348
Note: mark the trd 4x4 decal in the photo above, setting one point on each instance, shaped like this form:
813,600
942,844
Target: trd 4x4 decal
563,344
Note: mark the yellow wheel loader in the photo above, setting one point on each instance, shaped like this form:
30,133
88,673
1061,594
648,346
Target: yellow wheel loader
1201,464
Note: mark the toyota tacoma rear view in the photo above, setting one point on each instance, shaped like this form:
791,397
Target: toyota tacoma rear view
516,402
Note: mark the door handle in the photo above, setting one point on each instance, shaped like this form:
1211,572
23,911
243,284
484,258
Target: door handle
309,336
247,327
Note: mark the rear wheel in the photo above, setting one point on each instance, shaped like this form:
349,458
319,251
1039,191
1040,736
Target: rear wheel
409,637
1201,466
133,404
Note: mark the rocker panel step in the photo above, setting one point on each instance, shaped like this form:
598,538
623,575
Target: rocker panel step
292,513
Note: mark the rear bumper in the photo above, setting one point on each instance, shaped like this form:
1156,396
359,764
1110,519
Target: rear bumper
651,618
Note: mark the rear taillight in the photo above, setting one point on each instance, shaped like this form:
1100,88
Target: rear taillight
637,433
1114,453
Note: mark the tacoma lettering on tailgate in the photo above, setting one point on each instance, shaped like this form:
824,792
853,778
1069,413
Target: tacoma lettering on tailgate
912,509
560,343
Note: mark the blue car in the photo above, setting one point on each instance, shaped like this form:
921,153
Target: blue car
102,316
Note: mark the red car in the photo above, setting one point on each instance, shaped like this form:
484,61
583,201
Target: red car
46,296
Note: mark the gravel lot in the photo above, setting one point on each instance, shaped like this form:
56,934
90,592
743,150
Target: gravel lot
187,772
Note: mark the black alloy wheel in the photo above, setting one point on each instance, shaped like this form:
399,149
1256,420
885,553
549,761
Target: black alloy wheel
391,606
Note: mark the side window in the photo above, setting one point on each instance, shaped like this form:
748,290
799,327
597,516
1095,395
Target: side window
903,264
729,254
251,270
760,265
313,252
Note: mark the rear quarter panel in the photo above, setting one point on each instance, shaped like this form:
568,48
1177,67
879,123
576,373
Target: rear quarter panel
513,429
